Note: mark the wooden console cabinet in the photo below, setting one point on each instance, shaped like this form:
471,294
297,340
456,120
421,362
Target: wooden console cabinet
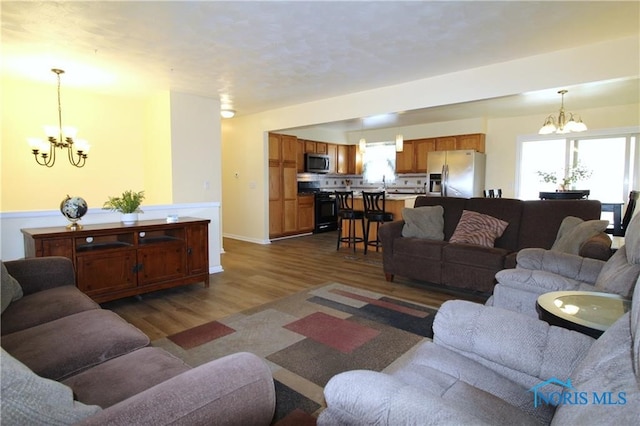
113,260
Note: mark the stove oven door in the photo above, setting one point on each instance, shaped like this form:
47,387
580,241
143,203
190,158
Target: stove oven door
326,213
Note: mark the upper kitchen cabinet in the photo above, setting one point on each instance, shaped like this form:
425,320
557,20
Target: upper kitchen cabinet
349,160
447,143
332,152
405,159
474,141
283,148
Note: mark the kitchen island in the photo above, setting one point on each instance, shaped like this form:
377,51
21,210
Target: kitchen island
394,204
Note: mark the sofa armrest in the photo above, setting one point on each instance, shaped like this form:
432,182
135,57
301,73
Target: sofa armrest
509,343
361,397
571,266
390,230
597,247
41,273
235,390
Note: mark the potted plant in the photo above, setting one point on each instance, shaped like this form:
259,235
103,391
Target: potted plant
128,204
570,176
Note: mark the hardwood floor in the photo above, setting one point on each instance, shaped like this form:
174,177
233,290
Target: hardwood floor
255,274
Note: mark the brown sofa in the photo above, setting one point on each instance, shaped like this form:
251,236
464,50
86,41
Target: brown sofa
66,361
531,224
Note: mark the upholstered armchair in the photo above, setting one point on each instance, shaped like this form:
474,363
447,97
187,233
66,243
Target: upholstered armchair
541,271
490,366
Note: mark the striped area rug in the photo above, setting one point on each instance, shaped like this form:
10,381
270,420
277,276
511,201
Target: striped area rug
308,338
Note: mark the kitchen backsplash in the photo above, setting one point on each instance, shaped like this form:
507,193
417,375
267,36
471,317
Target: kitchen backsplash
409,183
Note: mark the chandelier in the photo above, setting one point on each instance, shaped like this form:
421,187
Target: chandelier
59,137
561,125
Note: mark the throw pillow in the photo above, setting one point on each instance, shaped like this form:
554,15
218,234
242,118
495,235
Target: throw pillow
10,289
424,222
477,228
28,399
574,232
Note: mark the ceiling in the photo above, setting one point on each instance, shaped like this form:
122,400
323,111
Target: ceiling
257,56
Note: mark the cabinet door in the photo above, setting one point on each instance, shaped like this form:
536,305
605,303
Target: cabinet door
343,159
300,155
305,213
310,147
275,149
354,165
100,273
405,159
197,249
332,152
275,183
161,262
474,141
276,218
422,148
321,148
289,149
446,144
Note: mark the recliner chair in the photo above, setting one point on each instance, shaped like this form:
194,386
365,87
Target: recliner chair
491,366
541,271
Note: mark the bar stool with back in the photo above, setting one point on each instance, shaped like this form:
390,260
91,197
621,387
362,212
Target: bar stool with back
374,211
344,202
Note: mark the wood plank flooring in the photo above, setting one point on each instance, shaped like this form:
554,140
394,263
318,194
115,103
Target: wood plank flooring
255,274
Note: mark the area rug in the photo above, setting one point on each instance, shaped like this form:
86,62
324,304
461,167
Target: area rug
309,337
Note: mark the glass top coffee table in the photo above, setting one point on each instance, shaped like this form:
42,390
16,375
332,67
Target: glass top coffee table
588,312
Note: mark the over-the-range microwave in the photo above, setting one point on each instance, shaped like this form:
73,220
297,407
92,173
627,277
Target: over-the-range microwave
316,163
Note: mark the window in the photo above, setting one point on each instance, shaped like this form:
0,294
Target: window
610,157
379,162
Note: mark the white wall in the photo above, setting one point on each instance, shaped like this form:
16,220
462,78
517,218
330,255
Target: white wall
245,203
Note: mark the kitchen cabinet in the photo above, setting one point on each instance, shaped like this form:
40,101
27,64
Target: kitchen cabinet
283,185
305,213
113,260
413,158
405,160
349,160
343,158
332,152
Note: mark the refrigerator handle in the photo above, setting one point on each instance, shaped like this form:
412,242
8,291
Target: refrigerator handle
443,184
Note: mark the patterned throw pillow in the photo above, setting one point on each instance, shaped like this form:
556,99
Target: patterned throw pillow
477,228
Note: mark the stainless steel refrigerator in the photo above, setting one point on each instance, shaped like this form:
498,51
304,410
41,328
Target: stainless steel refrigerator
457,173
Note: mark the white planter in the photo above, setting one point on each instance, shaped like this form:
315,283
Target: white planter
129,218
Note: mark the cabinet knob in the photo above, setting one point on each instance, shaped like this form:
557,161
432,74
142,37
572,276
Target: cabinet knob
142,234
89,239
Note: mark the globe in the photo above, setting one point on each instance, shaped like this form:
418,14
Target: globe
73,208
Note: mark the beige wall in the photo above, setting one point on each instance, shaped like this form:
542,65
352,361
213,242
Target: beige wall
245,204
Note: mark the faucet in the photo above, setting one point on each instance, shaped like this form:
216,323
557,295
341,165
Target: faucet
384,183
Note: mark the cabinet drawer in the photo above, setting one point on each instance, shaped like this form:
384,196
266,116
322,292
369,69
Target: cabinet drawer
56,247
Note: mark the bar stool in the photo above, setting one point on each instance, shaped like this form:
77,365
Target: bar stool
374,211
344,202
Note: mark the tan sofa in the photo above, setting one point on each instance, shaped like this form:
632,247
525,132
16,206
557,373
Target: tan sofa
472,267
66,361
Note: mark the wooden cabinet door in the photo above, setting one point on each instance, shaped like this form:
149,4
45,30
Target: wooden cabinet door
289,149
290,217
332,152
474,141
275,150
405,160
422,148
343,159
310,147
276,218
446,143
161,262
197,249
305,213
321,148
99,273
300,155
354,160
275,183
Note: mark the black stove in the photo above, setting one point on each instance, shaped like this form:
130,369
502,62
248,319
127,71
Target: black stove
325,209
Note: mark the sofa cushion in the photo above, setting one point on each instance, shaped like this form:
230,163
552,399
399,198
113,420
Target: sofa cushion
10,289
574,232
31,400
469,254
424,222
44,306
477,228
60,348
127,375
452,210
418,248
